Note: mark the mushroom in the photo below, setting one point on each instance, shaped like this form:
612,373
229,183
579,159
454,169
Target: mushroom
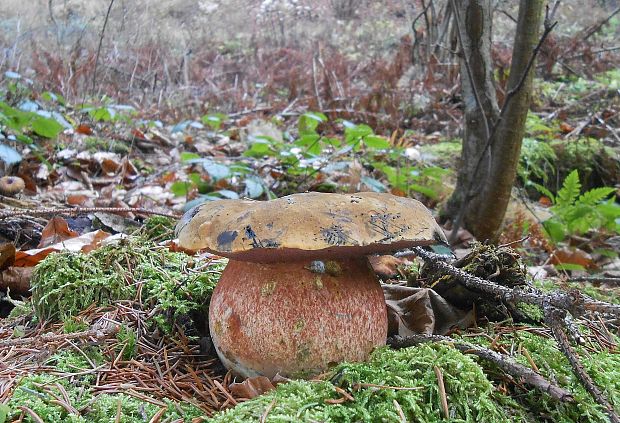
298,294
10,186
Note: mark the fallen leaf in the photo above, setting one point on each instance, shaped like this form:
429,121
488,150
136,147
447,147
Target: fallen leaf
84,243
84,129
16,279
56,230
387,266
572,256
545,201
251,387
7,255
566,128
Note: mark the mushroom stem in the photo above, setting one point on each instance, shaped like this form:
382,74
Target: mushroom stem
296,318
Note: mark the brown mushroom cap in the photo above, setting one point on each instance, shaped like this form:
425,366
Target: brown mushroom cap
11,185
309,225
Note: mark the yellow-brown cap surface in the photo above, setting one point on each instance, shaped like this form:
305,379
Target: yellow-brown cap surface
309,225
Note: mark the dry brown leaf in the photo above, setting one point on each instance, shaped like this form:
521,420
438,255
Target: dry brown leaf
84,129
56,230
16,279
109,166
387,266
572,256
251,387
7,255
84,243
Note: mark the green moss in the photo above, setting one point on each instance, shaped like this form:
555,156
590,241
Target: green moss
158,228
471,396
94,145
35,392
603,366
127,342
444,154
65,283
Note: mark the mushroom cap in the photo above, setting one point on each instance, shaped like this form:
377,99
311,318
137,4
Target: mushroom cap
308,225
11,185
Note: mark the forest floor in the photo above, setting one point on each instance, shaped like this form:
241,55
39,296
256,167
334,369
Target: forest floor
102,315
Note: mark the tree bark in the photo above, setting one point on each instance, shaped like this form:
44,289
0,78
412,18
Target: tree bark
491,146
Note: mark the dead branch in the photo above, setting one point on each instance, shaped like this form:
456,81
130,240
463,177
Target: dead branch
82,210
555,319
52,337
105,23
575,302
507,364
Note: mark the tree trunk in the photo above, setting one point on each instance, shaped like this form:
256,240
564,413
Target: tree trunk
488,169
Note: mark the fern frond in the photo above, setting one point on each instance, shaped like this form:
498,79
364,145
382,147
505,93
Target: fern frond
595,196
570,190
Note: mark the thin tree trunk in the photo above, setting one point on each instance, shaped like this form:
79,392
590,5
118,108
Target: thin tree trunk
473,21
484,185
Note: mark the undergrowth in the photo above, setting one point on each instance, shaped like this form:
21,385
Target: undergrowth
39,392
405,377
66,283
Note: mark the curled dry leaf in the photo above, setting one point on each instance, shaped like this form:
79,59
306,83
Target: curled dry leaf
251,387
84,243
572,256
56,230
7,255
16,279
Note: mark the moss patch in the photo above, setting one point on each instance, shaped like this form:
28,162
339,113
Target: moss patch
65,283
37,393
471,397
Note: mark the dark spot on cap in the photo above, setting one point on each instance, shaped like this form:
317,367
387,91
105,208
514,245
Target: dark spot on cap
225,239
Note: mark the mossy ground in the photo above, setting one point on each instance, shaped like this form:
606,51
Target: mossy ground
404,380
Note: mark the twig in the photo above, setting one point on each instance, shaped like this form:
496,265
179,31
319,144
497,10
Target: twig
574,302
507,364
596,279
555,318
400,412
105,23
31,413
602,23
82,210
263,418
316,85
52,337
442,392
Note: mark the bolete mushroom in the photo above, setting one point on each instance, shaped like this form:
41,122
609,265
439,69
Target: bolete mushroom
298,293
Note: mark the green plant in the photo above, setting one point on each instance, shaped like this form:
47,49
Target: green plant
575,213
536,161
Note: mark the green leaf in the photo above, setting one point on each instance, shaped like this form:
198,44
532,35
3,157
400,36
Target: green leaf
544,191
569,266
373,184
429,192
4,412
354,133
45,127
570,190
215,170
595,195
101,114
556,230
376,142
185,156
253,187
214,120
309,121
258,149
180,188
311,143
